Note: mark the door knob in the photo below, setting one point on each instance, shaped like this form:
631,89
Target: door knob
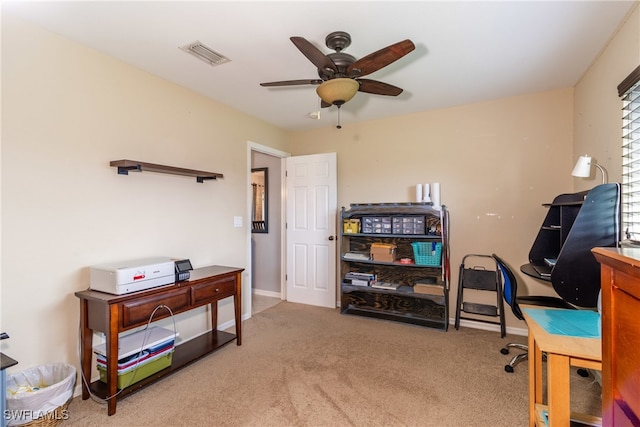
330,237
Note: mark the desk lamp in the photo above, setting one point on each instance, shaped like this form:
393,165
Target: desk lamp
583,168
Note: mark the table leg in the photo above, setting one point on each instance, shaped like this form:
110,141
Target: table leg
86,342
237,305
534,386
538,358
558,371
214,317
112,359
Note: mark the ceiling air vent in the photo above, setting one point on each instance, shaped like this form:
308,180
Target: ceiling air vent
205,53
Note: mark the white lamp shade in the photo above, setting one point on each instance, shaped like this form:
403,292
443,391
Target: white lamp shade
337,91
582,168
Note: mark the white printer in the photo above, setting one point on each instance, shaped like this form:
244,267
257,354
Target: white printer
132,276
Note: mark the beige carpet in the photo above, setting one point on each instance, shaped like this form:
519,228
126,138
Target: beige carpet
308,366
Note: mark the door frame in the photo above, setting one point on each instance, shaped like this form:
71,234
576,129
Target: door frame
254,146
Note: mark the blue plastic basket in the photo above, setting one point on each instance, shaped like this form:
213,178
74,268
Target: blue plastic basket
427,253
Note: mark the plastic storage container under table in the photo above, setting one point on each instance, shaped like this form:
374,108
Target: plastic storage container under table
141,354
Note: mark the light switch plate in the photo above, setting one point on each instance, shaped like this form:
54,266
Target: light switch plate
237,221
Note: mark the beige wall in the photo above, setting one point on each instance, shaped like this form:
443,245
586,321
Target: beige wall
67,111
497,163
597,107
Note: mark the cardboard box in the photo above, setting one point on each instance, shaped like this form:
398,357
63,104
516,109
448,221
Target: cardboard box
383,258
383,252
421,288
383,248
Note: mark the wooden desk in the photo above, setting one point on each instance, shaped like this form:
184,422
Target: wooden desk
562,353
620,335
112,314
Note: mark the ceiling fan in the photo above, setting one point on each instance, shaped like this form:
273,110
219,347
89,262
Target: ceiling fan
341,74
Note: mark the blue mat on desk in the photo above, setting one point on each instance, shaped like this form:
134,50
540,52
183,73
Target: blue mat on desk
572,323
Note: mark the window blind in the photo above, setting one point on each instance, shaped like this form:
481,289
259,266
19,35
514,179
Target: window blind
629,91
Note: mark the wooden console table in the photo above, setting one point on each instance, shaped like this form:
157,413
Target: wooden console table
112,314
620,335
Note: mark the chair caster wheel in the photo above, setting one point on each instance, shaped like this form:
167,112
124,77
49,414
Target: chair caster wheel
583,372
508,368
504,350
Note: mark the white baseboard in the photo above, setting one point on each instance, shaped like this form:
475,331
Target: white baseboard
489,327
266,293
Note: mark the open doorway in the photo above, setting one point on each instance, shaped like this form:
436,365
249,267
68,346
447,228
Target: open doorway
266,234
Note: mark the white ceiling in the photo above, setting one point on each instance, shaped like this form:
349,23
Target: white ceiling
465,51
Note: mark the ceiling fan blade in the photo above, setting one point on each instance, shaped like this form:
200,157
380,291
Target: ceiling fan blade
314,55
381,58
378,88
292,83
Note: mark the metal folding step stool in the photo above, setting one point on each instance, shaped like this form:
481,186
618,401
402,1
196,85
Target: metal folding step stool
480,273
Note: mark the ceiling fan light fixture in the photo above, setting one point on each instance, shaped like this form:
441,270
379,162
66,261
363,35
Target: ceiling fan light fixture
337,91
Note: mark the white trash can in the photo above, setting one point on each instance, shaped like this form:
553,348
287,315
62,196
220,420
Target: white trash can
40,394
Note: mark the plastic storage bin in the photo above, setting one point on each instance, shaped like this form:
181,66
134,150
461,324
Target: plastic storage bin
427,253
40,395
140,371
376,224
408,224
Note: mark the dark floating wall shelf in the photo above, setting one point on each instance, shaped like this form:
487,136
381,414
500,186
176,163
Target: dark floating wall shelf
124,166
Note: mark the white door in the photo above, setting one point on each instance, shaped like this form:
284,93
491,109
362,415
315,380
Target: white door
311,185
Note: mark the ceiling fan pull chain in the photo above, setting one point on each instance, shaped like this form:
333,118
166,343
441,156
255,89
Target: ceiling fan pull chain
338,126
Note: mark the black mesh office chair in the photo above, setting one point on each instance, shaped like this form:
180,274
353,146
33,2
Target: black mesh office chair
510,296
